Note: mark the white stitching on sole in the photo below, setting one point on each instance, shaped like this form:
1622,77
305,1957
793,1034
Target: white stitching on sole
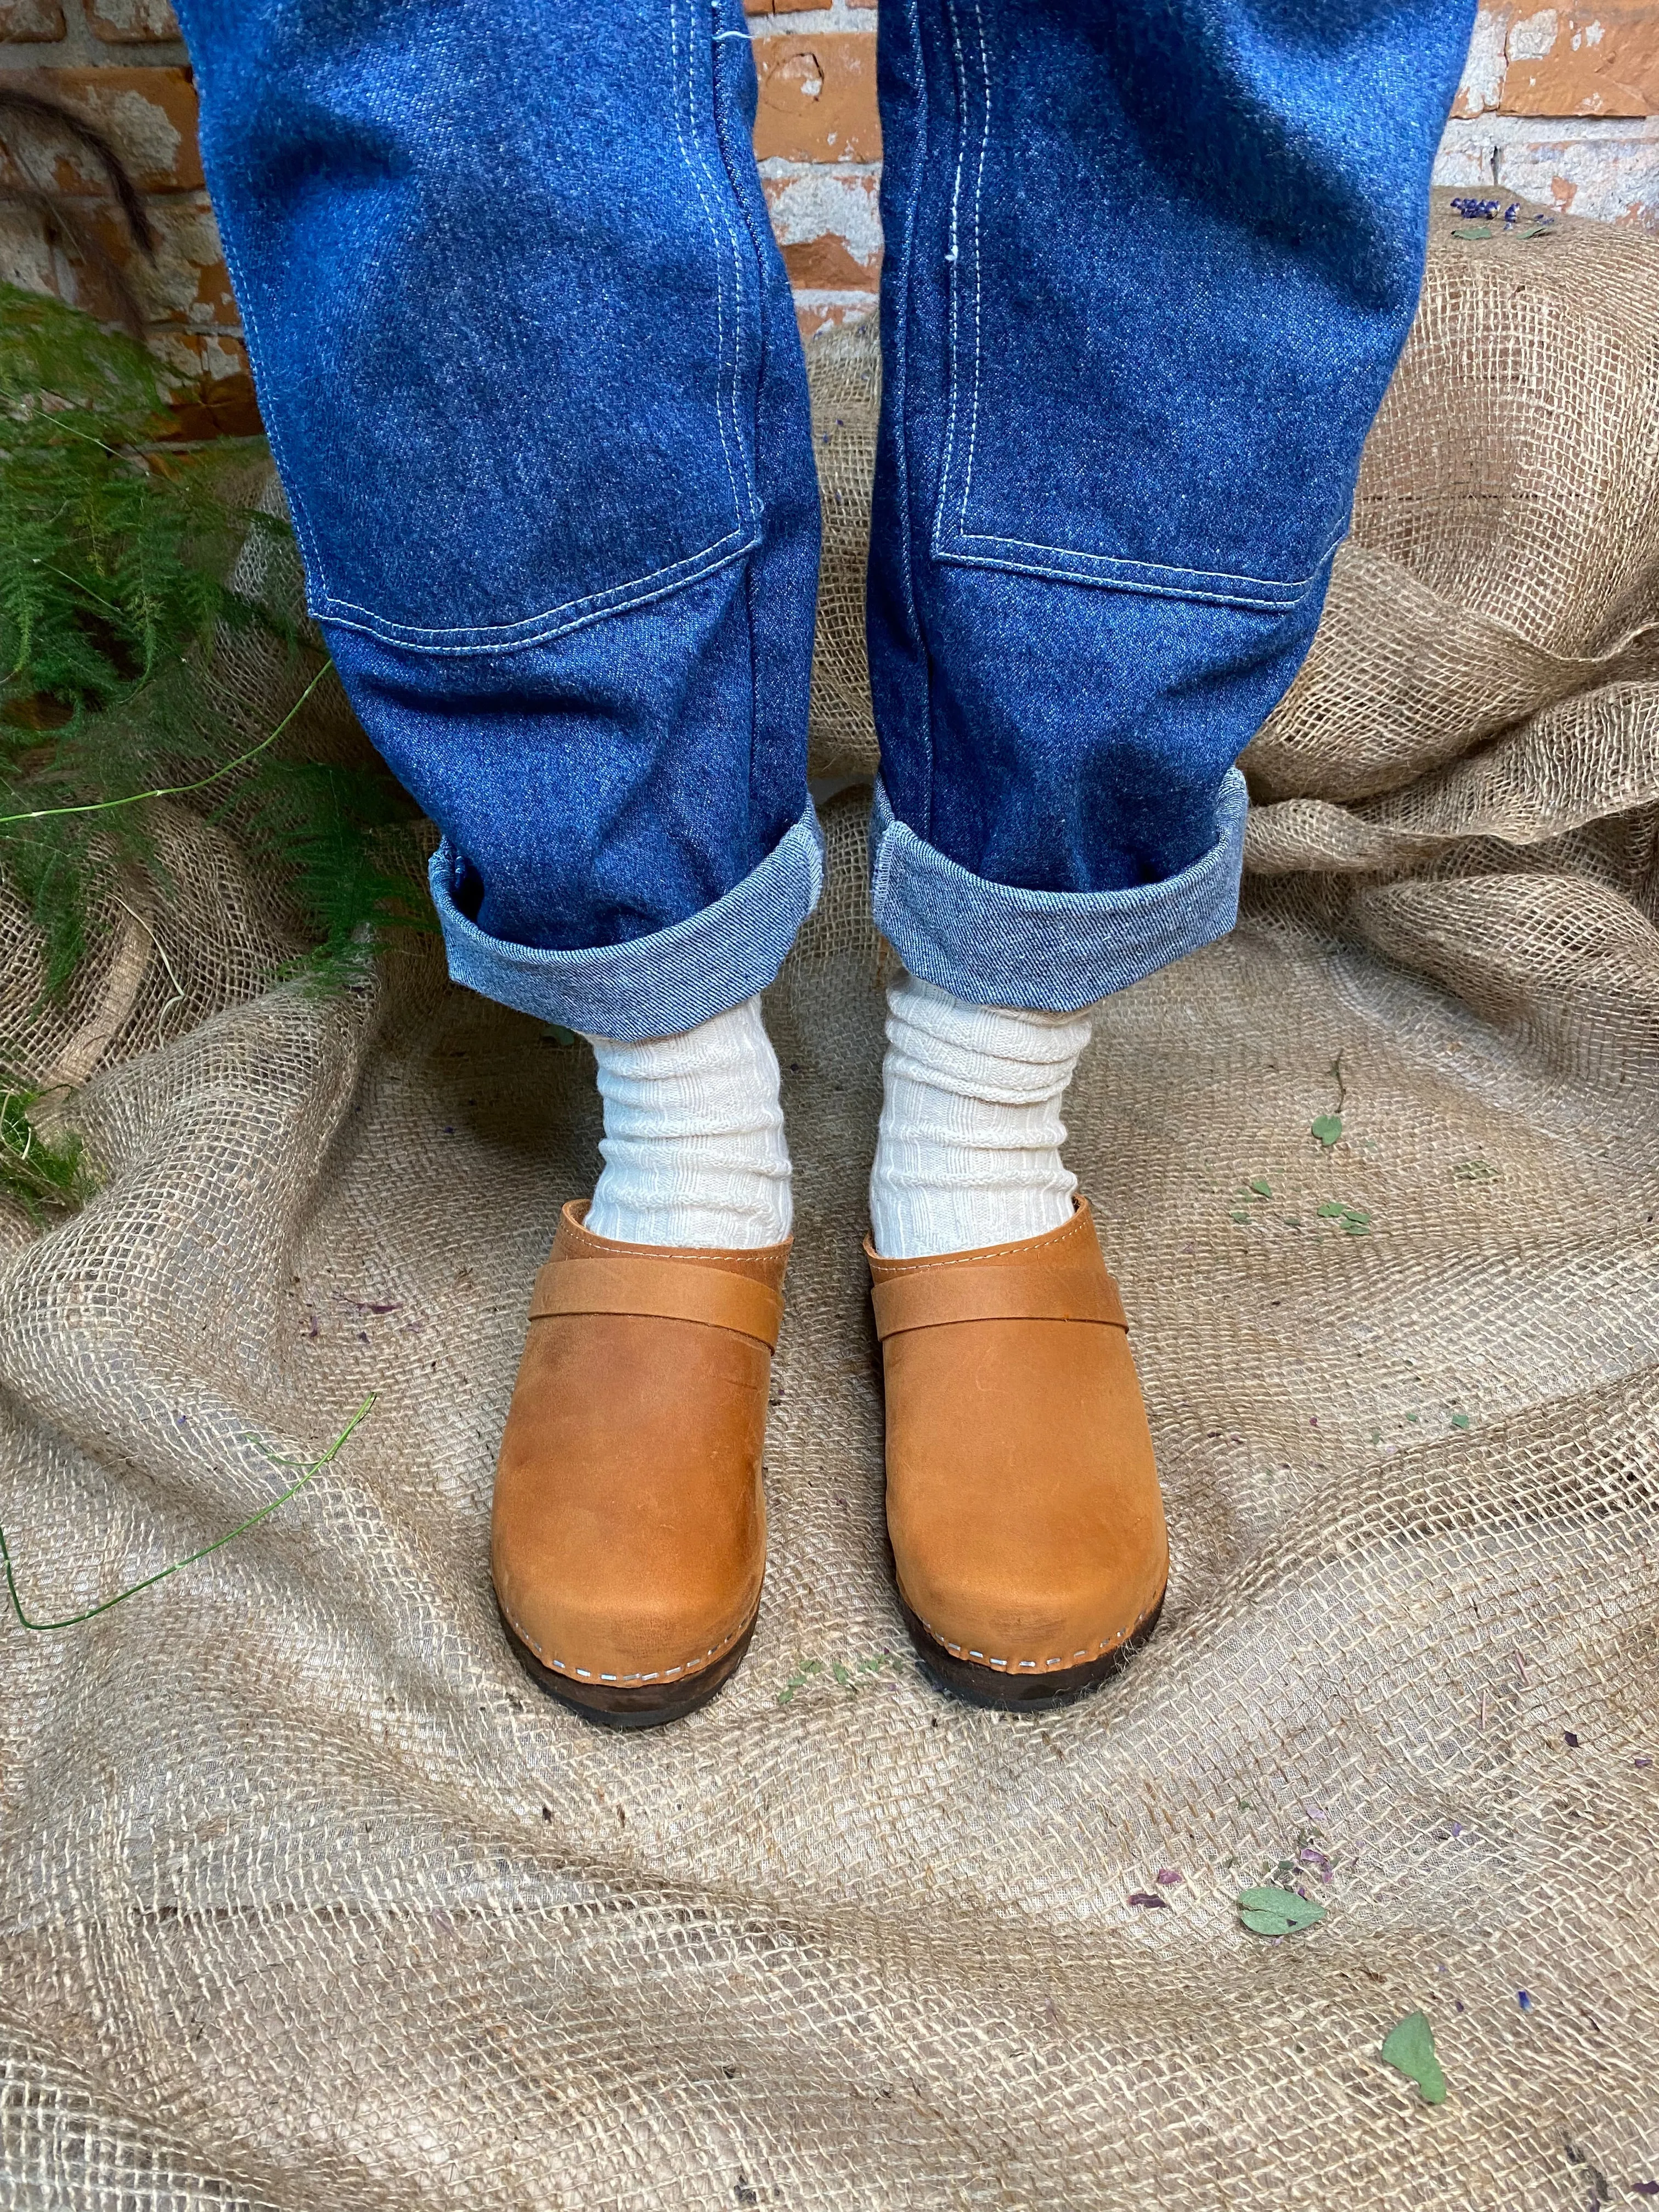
1102,1650
623,1682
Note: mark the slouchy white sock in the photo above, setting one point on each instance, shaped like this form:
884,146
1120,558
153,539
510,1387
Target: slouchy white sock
694,1146
968,1149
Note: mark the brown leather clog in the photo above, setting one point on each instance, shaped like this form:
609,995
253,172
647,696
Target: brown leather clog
628,1541
1022,1497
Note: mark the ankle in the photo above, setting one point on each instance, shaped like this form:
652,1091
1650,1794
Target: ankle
968,1151
694,1146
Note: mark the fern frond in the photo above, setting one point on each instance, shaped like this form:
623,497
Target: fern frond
115,569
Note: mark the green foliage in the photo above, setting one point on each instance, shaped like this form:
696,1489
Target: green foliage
115,560
335,831
44,1175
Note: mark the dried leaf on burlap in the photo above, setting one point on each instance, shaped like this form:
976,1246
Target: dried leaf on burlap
1271,1910
311,1903
1408,2047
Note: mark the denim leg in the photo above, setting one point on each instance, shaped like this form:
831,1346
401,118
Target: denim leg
1149,266
527,355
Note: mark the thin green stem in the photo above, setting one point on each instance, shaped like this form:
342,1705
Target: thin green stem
176,790
53,569
68,430
44,1627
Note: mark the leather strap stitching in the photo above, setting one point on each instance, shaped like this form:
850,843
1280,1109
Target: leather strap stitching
662,1290
1013,1293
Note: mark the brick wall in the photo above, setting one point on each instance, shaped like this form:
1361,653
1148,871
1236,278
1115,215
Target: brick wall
1557,104
1562,105
122,66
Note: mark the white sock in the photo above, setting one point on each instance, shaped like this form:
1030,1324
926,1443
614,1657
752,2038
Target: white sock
694,1146
968,1149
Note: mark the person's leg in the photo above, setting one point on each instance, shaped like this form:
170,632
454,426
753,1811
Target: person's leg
1149,266
528,361
527,356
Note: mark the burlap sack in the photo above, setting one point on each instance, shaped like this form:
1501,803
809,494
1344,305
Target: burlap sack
311,1902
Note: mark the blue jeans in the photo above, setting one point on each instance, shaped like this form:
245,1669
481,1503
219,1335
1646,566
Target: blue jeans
528,359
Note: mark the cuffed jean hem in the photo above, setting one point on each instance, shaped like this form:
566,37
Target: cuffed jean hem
995,945
658,986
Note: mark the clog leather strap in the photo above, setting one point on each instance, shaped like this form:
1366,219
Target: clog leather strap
665,1290
934,1297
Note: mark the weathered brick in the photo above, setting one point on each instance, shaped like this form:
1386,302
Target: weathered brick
1613,183
818,98
32,18
829,225
1600,60
26,257
149,115
187,282
131,22
832,315
210,385
1612,177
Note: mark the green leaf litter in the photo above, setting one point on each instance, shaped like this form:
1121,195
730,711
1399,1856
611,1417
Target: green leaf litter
1356,1220
1408,2047
1270,1910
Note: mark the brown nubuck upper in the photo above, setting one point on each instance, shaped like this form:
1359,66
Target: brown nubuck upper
1022,1497
628,1541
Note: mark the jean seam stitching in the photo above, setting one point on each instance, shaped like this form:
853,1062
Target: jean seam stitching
539,629
954,263
722,139
979,187
901,398
1298,584
1289,595
592,605
243,292
881,874
698,173
926,861
554,960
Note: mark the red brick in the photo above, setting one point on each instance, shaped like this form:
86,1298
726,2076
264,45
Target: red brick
149,115
131,22
1565,60
823,265
32,18
1602,58
818,98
